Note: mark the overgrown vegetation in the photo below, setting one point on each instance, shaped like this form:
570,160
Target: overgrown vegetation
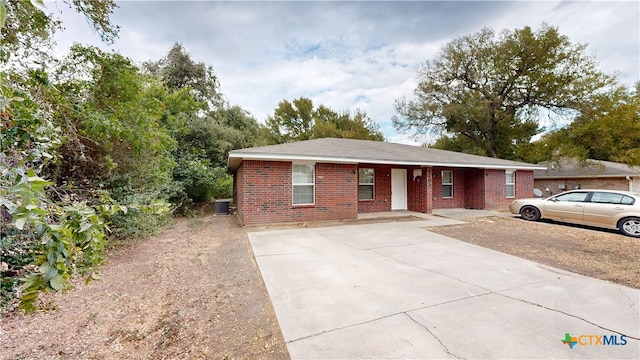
96,149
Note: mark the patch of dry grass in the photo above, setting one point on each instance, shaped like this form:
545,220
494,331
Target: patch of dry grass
599,253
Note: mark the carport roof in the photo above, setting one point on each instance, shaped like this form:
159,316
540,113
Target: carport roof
351,151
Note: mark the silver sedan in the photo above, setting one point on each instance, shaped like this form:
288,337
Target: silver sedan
611,209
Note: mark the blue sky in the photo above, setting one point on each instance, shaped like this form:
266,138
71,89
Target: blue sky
345,55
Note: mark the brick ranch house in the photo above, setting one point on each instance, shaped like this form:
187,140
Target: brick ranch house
569,174
336,179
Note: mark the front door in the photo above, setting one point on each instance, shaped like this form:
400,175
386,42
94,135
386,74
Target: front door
398,189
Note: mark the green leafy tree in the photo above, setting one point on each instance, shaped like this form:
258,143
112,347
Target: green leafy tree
239,119
299,120
178,71
203,150
608,130
112,121
488,92
458,144
343,125
205,127
53,210
291,121
26,29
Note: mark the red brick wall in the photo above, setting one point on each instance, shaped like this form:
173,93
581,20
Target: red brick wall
459,184
496,189
264,193
419,194
480,188
382,190
524,185
619,183
474,183
236,200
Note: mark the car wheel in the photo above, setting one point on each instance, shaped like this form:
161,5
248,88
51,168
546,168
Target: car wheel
530,213
630,226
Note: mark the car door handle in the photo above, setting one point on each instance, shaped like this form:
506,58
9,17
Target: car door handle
577,205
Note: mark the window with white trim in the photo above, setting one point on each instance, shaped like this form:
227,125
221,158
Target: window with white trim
510,176
303,184
447,183
366,180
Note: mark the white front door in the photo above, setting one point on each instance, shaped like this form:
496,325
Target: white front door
398,189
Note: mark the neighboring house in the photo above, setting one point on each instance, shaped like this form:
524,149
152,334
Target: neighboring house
571,174
335,179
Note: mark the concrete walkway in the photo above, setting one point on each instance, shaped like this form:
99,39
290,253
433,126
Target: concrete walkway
396,290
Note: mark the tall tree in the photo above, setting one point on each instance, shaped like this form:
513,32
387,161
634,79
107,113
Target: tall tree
291,121
178,71
26,29
111,119
51,231
300,120
608,130
205,126
488,92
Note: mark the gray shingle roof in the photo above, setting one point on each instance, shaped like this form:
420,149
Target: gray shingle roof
364,151
569,168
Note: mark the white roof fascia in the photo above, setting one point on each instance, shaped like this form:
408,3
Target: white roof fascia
341,160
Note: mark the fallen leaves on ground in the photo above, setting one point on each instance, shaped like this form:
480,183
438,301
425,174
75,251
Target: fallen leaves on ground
193,292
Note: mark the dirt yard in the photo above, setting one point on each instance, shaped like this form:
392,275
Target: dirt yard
195,291
602,254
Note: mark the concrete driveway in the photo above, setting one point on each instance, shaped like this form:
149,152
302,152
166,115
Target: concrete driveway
396,290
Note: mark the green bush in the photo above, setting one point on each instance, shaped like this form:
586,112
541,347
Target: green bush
137,223
201,181
16,253
223,186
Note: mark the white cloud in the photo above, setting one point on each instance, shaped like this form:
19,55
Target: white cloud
347,55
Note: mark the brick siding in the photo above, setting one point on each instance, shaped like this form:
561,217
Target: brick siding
418,190
480,188
264,193
382,190
619,183
459,187
420,196
496,189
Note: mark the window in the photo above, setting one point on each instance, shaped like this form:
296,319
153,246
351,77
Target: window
572,197
611,198
511,183
447,183
303,184
365,184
